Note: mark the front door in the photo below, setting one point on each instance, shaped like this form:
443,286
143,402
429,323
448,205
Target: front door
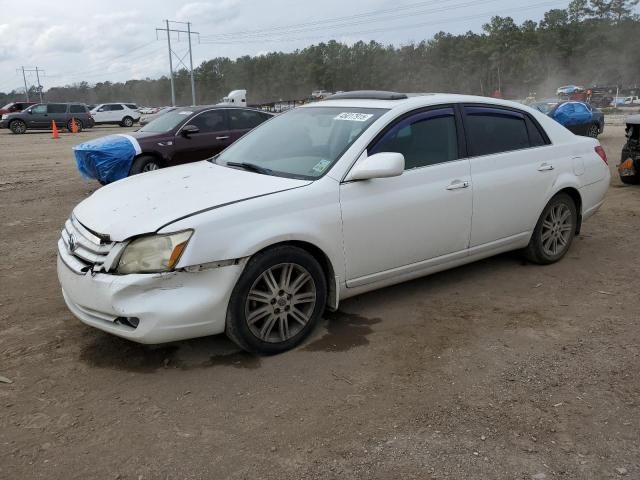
391,224
38,117
213,136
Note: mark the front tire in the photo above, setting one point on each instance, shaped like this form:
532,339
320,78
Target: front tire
18,127
277,301
144,163
554,231
127,122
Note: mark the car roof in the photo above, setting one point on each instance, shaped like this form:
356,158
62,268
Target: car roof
413,101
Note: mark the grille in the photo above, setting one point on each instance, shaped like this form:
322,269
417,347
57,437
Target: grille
87,250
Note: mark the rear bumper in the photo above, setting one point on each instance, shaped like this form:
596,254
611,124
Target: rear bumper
170,306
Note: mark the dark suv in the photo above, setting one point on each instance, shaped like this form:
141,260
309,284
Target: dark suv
41,115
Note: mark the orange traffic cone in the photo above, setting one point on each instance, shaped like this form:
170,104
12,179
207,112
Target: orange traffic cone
54,127
74,126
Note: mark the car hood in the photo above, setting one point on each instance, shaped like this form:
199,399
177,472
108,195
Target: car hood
147,202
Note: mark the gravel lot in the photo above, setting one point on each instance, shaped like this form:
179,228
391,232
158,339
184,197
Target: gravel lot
496,370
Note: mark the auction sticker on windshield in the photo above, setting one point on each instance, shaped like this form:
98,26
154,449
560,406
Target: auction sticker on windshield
354,117
321,166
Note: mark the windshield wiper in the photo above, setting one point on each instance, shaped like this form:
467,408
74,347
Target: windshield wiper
251,167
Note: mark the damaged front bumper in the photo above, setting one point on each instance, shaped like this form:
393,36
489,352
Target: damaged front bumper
150,308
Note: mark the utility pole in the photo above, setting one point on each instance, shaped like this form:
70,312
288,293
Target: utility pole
168,31
24,77
26,90
39,86
193,83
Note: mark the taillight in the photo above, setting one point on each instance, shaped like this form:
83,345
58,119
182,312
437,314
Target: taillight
601,153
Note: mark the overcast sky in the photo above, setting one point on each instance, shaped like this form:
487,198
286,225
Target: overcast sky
116,40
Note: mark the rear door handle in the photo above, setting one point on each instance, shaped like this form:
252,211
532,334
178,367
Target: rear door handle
457,184
545,167
222,138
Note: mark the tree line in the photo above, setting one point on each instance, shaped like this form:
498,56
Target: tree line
592,42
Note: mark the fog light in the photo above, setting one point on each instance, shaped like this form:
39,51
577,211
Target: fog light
132,322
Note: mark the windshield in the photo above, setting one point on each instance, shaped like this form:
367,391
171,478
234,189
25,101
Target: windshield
167,121
7,106
302,143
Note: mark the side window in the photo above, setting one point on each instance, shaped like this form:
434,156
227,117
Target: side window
132,106
493,130
116,106
426,138
56,108
536,138
39,109
244,119
77,109
210,121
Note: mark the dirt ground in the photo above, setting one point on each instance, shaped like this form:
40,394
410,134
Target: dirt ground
495,370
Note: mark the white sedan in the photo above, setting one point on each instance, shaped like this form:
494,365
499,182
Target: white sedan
326,201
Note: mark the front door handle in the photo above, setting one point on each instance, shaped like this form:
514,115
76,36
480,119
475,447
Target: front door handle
457,184
222,138
545,167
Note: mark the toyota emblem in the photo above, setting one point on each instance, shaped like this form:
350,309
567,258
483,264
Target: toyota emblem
72,243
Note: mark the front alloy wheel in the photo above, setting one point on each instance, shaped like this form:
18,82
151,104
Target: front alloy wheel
277,301
280,303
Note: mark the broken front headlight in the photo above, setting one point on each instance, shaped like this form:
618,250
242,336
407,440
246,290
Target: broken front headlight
154,253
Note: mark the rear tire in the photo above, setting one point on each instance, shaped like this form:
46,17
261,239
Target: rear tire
554,231
18,127
127,122
79,125
144,163
278,300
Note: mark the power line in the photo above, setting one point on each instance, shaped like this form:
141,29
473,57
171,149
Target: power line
285,37
278,29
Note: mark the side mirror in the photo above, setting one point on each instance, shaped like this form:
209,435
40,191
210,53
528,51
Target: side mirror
29,112
379,165
189,130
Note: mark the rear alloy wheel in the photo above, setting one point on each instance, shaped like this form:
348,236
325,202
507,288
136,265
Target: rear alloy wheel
277,301
554,231
593,131
144,163
18,127
127,122
78,125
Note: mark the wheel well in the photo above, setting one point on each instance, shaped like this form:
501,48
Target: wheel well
325,263
575,196
154,155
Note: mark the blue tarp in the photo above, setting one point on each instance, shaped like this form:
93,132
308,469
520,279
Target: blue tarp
106,159
572,113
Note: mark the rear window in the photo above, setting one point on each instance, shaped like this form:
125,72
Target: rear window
57,108
77,109
494,130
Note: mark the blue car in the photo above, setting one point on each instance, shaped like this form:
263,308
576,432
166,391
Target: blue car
579,117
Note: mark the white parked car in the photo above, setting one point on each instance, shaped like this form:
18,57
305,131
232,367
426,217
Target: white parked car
123,114
326,201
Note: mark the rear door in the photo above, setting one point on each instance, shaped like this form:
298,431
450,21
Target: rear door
58,113
116,113
242,121
513,169
213,136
